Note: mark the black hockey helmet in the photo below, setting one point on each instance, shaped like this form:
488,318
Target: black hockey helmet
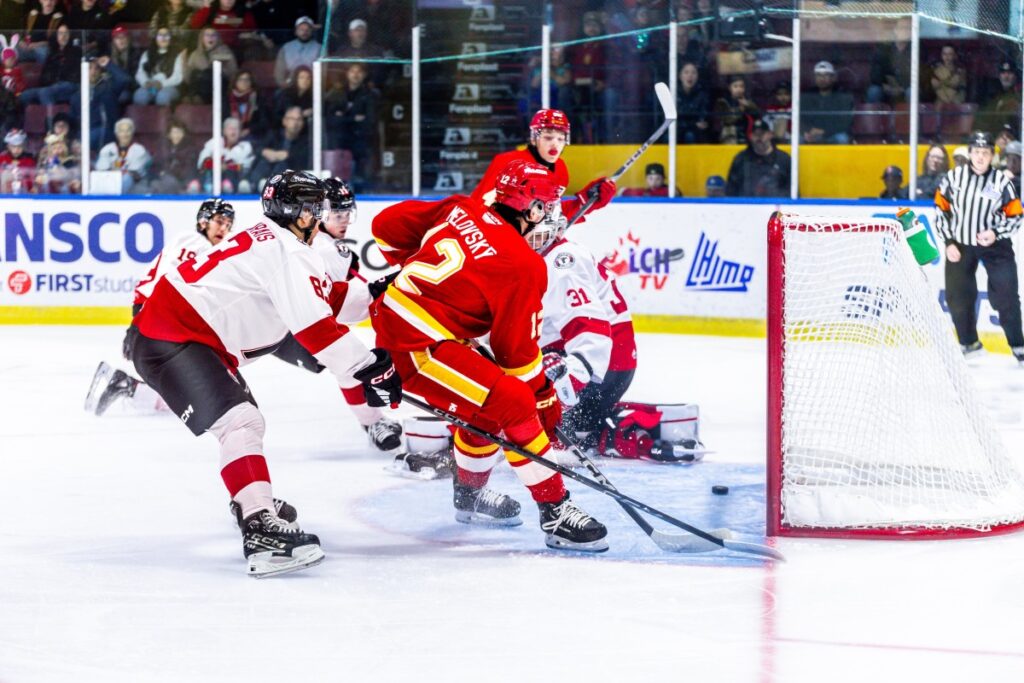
339,194
981,139
210,208
286,195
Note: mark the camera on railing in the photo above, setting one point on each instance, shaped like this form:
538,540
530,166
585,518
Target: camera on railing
740,23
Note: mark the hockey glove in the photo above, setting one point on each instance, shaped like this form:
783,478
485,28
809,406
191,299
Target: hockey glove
381,383
131,335
602,188
556,370
549,410
378,286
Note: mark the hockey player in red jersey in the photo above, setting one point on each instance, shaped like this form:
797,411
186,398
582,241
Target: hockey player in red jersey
214,221
229,306
399,231
475,275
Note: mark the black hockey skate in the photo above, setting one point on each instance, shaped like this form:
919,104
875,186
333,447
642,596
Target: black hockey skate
282,509
384,434
273,546
570,528
438,465
107,386
484,506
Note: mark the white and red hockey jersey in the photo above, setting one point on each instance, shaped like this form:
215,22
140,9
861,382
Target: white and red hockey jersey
350,297
243,296
182,249
585,315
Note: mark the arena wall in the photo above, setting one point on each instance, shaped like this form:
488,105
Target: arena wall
686,266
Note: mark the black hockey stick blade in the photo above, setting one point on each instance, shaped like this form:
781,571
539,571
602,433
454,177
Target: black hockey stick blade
590,483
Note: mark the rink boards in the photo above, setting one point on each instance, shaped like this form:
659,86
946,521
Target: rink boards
688,266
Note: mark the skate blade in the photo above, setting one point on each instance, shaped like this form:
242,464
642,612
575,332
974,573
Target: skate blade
262,565
423,474
478,519
99,382
598,546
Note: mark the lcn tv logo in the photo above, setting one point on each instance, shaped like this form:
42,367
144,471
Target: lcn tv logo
711,273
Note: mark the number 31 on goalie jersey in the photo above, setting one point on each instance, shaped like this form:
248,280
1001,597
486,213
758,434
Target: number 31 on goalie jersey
434,274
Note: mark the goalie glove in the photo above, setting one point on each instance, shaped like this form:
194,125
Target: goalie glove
381,383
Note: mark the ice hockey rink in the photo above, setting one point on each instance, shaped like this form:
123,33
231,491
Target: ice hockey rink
120,561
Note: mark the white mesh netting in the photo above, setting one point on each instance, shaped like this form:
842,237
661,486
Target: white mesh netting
881,428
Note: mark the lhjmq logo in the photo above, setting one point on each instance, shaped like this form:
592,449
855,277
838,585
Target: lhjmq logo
711,272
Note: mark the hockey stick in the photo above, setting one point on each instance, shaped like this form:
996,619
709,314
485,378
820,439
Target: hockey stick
675,543
668,107
738,546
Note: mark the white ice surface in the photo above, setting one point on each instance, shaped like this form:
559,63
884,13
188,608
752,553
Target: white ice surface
119,561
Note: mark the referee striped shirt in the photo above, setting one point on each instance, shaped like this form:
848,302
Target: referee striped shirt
969,203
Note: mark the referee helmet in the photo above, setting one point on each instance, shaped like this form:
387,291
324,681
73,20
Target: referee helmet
981,139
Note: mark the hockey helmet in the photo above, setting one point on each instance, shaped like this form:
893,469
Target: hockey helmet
212,207
981,139
548,231
549,119
528,188
287,195
341,206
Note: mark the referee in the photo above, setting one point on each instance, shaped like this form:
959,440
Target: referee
978,213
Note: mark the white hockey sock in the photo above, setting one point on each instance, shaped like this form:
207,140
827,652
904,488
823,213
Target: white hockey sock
356,400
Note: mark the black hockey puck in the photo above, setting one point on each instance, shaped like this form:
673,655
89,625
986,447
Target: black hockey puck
719,490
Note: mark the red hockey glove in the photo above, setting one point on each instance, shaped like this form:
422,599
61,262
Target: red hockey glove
602,188
380,380
549,410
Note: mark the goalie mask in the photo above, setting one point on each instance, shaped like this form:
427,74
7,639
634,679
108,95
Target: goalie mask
528,190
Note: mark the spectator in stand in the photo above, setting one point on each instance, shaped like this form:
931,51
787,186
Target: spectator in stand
41,24
302,51
17,169
234,24
654,175
961,157
61,124
1013,153
933,170
351,119
127,156
826,116
714,187
126,56
11,77
58,170
588,62
199,66
693,105
890,73
298,94
246,105
91,23
11,115
175,15
275,19
177,172
736,113
1004,136
761,170
949,79
107,83
779,113
284,148
58,82
1004,106
561,84
236,161
390,19
893,179
360,47
691,43
161,72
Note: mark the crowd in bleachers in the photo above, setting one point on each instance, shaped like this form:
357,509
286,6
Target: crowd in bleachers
151,91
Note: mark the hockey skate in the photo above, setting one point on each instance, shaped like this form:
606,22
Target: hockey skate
484,506
973,350
384,434
570,528
273,546
423,466
282,509
107,386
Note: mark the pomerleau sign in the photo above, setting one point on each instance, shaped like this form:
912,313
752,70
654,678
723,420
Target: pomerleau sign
702,260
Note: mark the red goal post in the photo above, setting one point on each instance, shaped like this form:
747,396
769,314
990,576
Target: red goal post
873,426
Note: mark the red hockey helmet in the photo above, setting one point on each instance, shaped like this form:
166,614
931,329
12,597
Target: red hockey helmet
549,119
526,186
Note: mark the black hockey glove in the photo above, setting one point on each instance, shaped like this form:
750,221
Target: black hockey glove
381,383
378,286
131,335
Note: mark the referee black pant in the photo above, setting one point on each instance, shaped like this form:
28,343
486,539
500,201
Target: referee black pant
962,290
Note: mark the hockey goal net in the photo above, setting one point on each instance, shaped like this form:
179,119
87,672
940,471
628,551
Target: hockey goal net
874,427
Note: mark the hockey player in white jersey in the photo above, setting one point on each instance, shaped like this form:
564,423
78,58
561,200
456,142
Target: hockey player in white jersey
235,303
590,354
214,221
350,288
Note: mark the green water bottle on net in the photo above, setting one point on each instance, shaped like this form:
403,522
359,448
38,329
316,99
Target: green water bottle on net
917,237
